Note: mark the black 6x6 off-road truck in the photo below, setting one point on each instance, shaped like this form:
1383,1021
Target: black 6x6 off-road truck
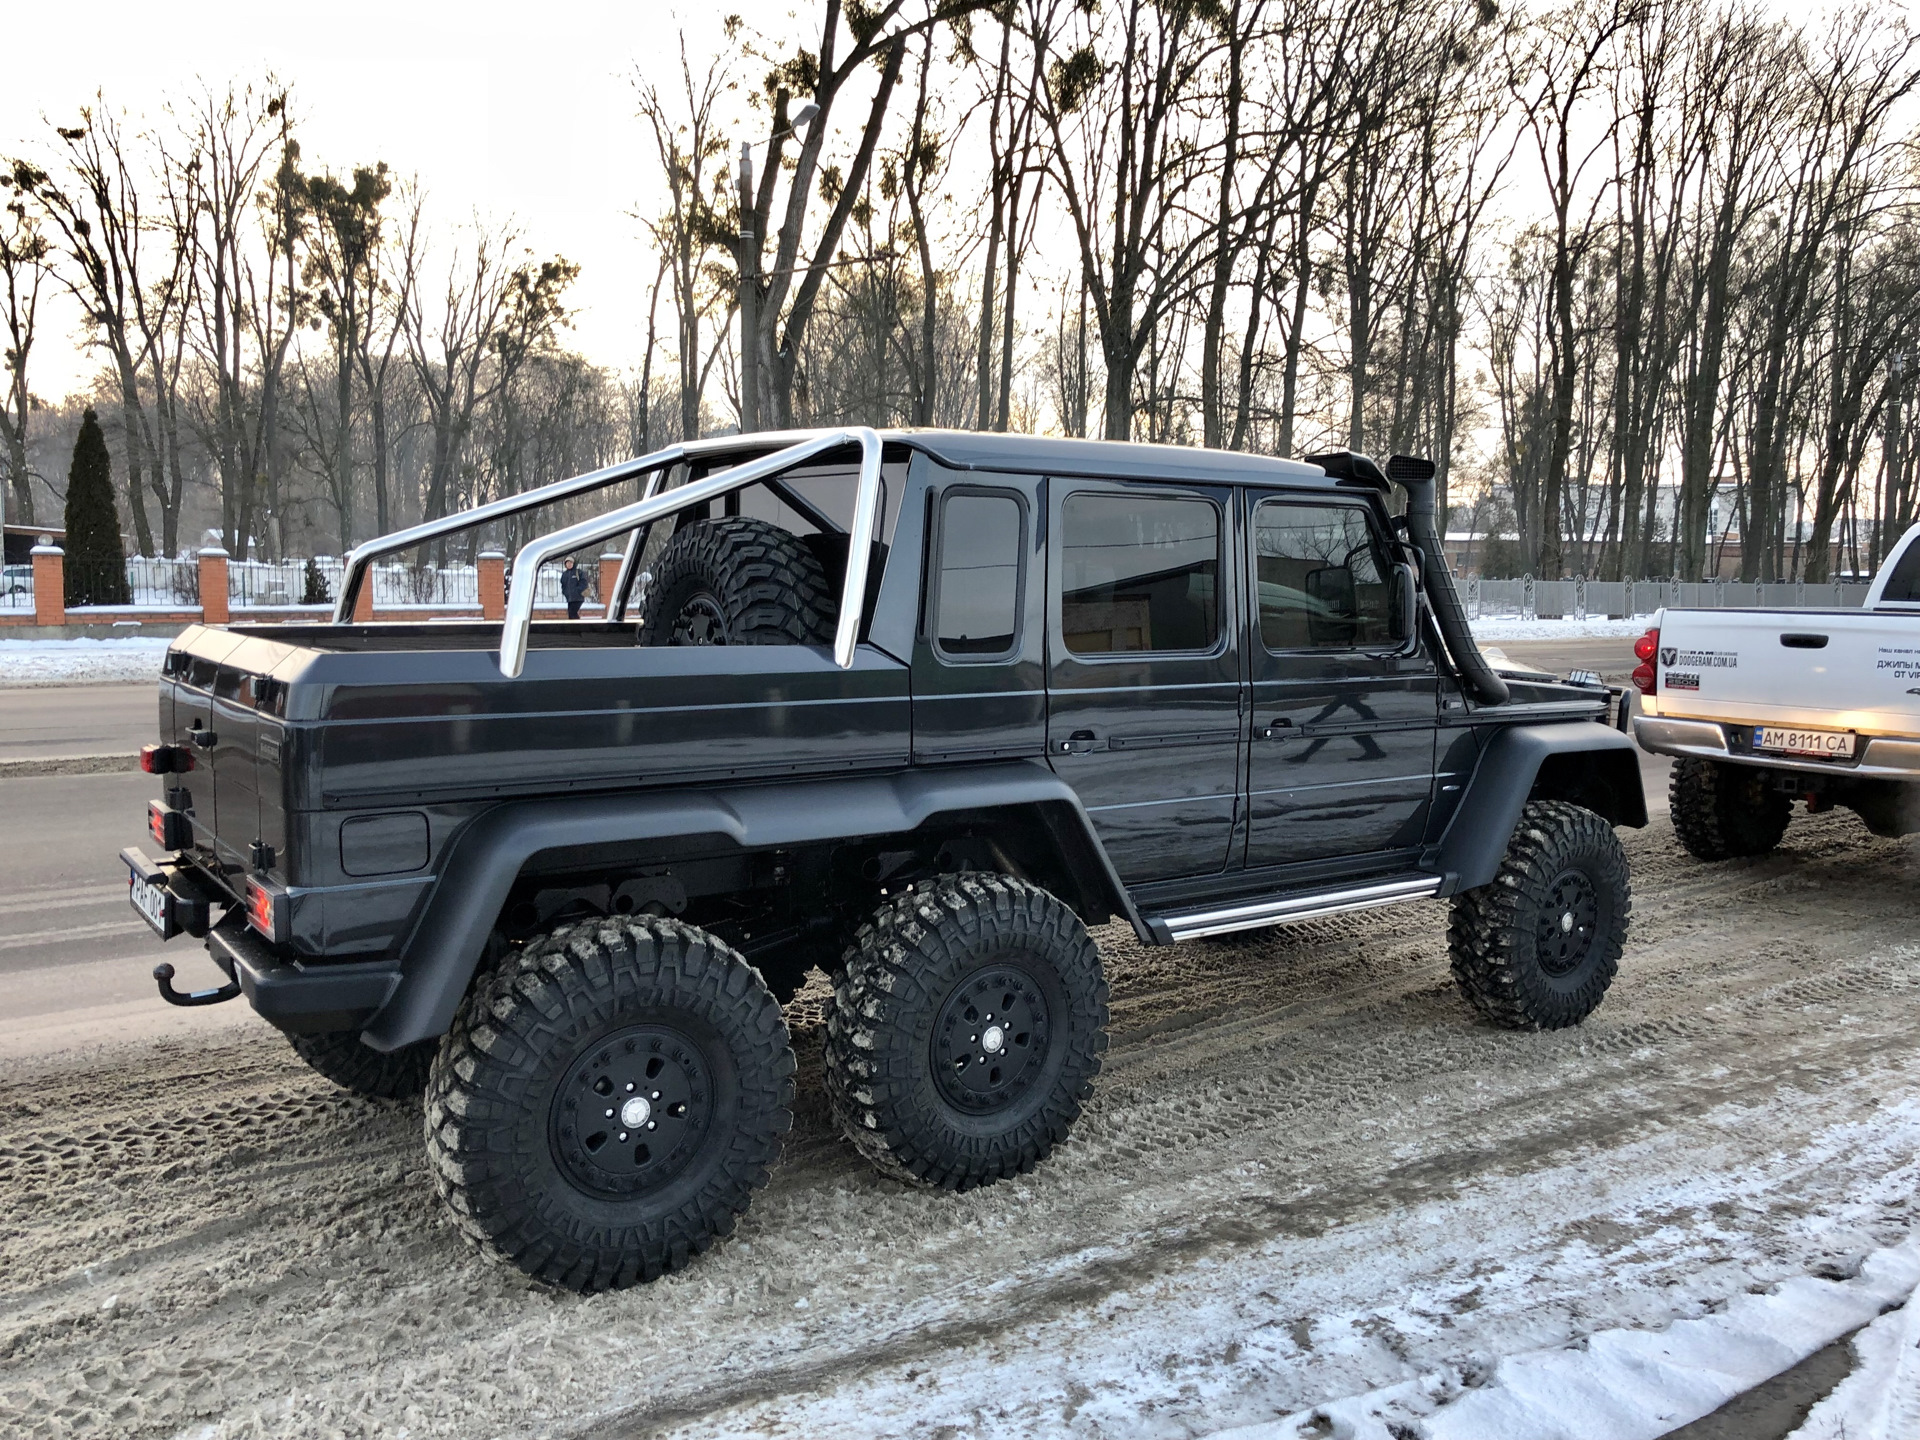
915,709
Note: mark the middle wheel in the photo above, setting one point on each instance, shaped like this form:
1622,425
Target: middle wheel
966,1030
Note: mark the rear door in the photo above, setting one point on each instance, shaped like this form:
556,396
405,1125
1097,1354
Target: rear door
1143,681
1341,759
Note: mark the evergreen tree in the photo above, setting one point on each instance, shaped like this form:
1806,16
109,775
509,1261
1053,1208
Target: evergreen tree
315,590
96,564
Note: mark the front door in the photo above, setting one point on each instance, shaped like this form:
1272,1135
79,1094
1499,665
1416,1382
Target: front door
1143,684
1341,757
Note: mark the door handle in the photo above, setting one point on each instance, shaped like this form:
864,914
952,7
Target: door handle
1078,743
205,739
1277,729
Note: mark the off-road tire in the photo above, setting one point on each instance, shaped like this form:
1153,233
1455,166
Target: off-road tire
920,959
737,581
338,1054
1512,958
505,1092
1722,812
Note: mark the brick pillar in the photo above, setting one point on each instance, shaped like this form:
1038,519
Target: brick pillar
493,585
609,577
49,583
363,602
213,586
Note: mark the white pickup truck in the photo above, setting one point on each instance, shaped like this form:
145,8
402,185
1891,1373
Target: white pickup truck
1765,707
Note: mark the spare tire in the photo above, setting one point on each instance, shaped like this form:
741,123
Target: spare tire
737,581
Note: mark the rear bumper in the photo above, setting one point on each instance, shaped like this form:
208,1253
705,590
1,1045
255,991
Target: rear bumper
1881,757
300,997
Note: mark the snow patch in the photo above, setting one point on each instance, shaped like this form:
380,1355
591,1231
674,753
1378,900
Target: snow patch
1880,1400
1630,1384
65,662
1519,627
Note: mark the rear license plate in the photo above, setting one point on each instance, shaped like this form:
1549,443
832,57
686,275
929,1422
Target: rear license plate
155,904
1823,744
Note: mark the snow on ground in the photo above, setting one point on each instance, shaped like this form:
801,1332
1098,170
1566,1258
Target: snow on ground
66,662
1633,1384
1519,627
1880,1400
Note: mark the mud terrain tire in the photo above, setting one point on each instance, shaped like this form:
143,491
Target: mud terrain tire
608,1100
920,1076
737,581
398,1075
1721,812
1537,948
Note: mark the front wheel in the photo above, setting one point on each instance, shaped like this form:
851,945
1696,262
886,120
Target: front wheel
966,1030
1537,948
608,1101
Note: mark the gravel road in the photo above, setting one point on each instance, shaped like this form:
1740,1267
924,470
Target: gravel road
1308,1172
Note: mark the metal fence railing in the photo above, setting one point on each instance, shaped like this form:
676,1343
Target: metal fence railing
1626,599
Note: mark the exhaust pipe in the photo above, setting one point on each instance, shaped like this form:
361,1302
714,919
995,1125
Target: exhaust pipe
1415,476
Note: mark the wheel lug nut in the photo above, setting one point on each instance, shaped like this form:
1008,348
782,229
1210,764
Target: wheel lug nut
609,1114
656,1094
653,1124
623,1137
629,1084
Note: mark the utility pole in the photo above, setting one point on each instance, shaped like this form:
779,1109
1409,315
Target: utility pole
749,298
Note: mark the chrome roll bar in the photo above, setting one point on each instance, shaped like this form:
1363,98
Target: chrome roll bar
537,552
364,555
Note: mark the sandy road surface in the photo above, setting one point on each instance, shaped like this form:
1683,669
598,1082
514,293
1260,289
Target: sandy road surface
1307,1172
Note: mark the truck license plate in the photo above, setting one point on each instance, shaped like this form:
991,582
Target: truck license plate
154,903
1825,744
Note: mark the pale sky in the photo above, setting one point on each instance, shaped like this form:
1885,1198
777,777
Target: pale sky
522,110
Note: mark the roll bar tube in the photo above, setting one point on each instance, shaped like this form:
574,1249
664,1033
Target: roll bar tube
535,553
363,556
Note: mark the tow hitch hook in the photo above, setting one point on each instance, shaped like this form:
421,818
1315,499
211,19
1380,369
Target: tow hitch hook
163,977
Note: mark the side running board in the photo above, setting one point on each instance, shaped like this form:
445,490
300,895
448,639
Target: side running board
1251,914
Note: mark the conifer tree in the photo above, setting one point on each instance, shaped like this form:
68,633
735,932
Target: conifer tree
96,565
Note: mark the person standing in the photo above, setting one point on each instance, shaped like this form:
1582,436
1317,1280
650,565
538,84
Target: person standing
573,585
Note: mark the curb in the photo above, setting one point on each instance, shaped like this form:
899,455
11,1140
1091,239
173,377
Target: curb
68,765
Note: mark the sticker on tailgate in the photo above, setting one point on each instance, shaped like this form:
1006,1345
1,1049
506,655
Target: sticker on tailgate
1671,655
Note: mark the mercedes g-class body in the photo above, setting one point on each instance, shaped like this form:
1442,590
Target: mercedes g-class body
917,709
1765,707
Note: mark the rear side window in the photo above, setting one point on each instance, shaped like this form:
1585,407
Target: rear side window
1322,580
977,593
1140,572
1904,583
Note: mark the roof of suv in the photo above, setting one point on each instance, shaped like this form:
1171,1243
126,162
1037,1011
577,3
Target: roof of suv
972,450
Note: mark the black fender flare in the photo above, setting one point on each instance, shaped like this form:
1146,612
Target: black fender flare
1583,761
447,942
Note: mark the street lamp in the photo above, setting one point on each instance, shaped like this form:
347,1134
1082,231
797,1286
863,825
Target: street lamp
750,268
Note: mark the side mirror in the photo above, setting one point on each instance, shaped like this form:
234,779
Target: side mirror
1406,604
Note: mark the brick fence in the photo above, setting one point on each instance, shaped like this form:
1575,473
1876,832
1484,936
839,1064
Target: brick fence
216,607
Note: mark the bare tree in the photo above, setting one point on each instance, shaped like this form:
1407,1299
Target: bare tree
24,267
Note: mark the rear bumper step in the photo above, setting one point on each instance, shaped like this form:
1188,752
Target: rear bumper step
301,999
1252,914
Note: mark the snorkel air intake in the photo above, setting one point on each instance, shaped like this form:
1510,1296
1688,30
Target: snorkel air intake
1415,476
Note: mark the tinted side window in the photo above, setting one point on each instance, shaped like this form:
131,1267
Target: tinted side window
1322,581
1141,572
977,597
1904,583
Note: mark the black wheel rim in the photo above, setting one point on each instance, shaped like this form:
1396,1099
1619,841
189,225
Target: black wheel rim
1569,917
700,621
990,1039
632,1111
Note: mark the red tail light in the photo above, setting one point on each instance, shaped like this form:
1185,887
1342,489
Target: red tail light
168,826
165,759
1645,678
261,909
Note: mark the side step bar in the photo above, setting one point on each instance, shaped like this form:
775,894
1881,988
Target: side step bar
1250,915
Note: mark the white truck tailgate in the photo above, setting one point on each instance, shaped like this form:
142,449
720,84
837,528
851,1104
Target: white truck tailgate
1829,669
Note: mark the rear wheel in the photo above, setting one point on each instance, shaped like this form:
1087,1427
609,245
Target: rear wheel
608,1100
1537,948
341,1057
1723,811
736,581
966,1031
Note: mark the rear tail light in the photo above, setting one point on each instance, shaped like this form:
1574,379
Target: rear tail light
165,759
168,826
1644,649
263,910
